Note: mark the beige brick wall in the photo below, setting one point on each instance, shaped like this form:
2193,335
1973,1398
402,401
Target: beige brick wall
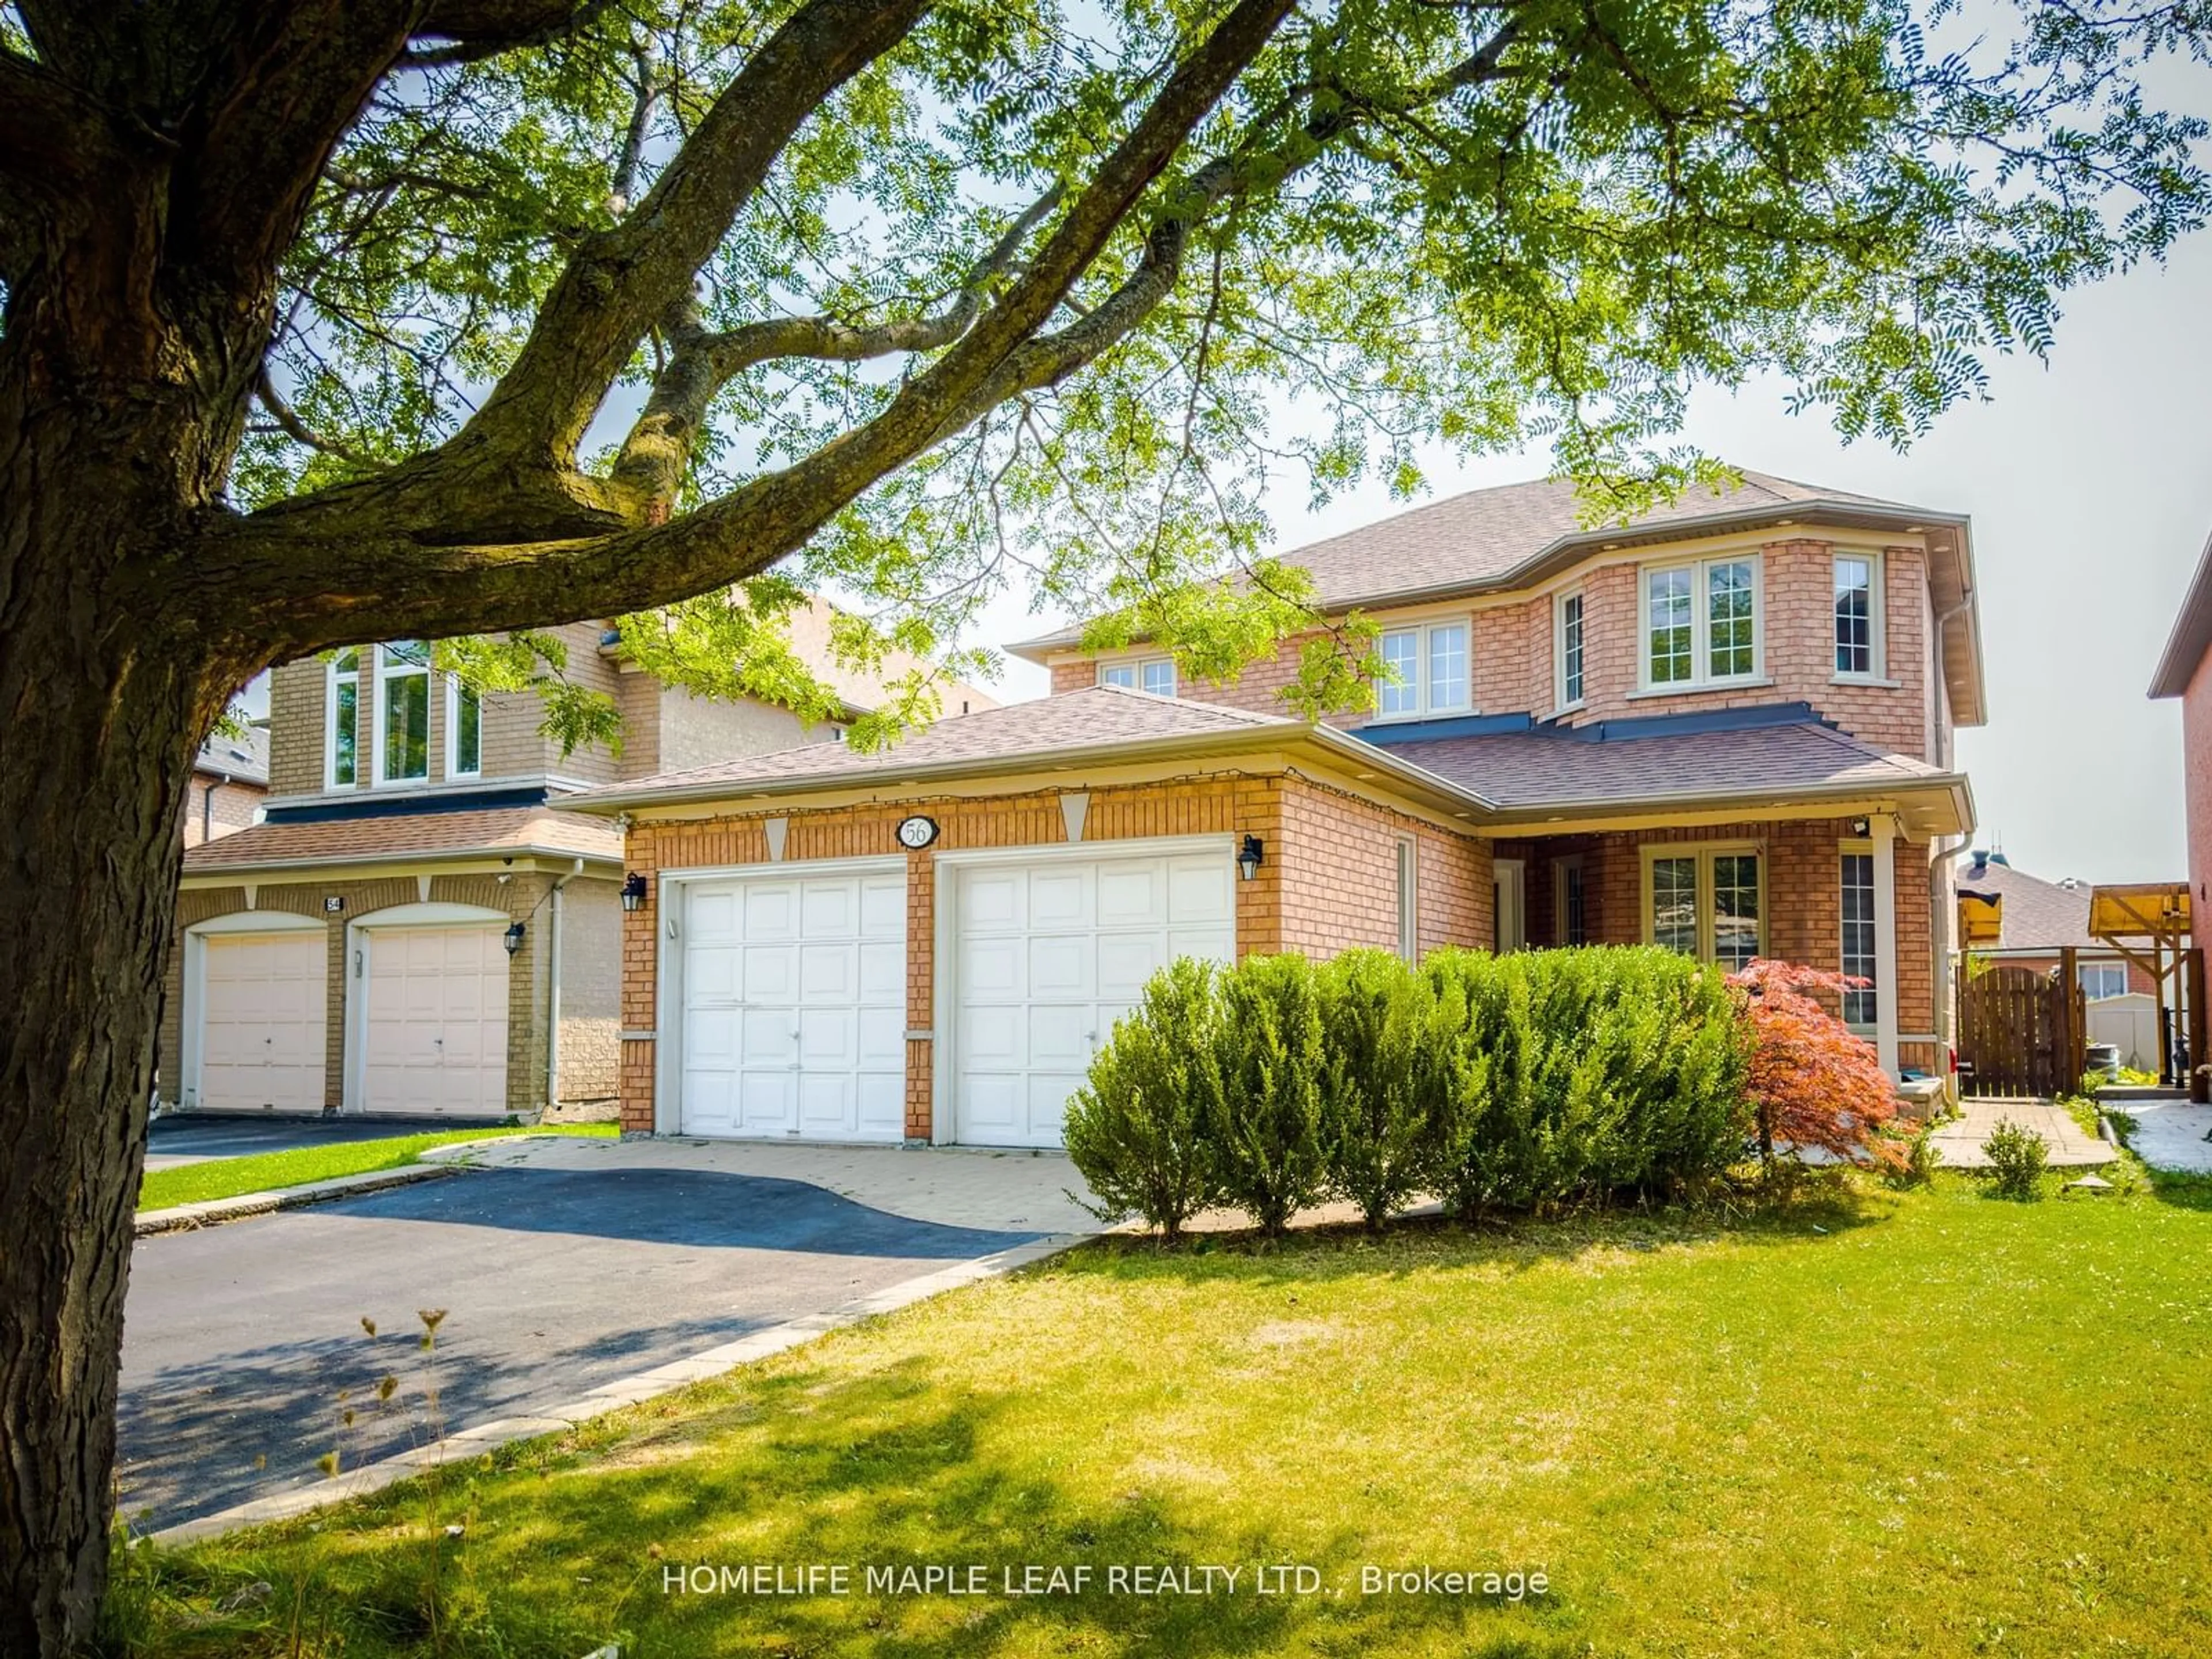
1513,672
214,809
697,731
1319,841
591,990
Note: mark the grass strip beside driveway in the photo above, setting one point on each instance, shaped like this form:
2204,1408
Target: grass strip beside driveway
263,1172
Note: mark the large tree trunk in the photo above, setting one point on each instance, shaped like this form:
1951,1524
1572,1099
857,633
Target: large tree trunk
102,701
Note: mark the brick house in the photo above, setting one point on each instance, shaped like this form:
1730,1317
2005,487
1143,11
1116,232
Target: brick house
422,925
230,780
1727,728
2182,672
2038,919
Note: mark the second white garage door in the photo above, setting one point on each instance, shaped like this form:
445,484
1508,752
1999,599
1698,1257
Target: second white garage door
1048,954
436,1024
795,1006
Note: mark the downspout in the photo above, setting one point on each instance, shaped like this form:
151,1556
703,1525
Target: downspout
1944,920
553,993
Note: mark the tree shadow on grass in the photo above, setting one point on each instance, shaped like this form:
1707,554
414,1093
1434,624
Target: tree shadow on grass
798,1468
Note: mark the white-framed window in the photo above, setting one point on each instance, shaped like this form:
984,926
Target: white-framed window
1860,1003
464,730
1567,650
1708,901
341,720
403,712
1409,911
1154,674
1570,903
1434,667
2099,980
1702,624
1858,616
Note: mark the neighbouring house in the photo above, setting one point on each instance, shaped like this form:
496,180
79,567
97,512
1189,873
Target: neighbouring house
1726,728
230,780
422,924
2182,672
2038,919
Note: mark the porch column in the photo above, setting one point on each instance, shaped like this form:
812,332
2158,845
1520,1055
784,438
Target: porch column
1882,829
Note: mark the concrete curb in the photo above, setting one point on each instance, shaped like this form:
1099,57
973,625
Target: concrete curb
481,1437
213,1211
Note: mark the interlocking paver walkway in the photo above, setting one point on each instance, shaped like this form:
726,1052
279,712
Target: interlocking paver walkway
1961,1139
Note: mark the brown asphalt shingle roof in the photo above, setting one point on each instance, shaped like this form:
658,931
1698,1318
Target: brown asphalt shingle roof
336,841
1484,535
2036,914
1537,769
1095,715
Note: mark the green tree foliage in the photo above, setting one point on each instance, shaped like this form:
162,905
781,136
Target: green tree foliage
1407,221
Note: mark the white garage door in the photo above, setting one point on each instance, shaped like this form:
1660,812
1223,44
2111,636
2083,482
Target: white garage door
263,998
434,1031
1048,955
794,1007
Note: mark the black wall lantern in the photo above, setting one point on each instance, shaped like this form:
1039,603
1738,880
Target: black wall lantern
633,891
1249,856
512,937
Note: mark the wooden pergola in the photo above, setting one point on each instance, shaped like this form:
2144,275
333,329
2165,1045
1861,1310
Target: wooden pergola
2149,925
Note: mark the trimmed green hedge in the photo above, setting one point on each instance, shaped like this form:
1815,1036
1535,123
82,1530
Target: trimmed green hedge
1496,1083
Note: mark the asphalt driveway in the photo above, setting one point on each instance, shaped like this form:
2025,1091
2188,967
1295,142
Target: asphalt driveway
244,1346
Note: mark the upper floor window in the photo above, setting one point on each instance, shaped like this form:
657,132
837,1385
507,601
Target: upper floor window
402,702
1702,623
1434,673
1154,674
1705,901
1858,614
1567,650
341,732
464,730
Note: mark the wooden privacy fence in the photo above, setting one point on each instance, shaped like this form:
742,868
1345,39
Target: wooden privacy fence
2022,1032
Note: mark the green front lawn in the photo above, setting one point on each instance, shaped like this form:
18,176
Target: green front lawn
227,1177
1945,1425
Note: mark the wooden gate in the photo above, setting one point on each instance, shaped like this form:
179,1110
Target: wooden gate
2021,1032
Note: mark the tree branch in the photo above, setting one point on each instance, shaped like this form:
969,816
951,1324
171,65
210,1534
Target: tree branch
472,30
482,588
658,452
52,143
288,418
620,283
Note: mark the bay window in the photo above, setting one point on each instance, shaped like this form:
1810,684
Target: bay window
1433,670
1701,624
402,702
1706,902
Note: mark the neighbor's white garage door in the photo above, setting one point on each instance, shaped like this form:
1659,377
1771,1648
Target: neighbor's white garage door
1047,956
435,1030
262,997
795,1006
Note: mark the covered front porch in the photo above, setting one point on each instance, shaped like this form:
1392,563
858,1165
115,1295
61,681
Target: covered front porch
1849,894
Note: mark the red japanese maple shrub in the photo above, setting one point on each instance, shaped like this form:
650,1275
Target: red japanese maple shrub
1812,1083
